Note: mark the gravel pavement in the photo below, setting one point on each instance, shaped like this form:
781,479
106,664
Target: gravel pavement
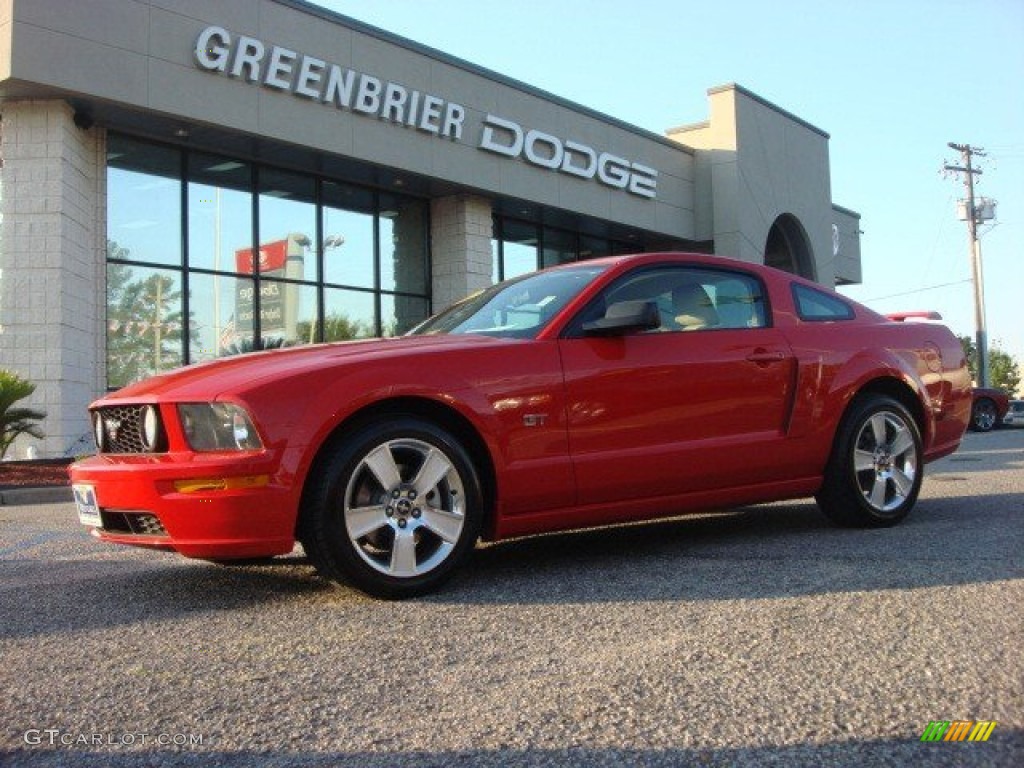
758,637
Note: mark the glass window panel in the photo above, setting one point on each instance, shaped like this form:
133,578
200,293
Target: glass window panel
287,225
143,202
403,245
144,322
520,242
559,247
815,305
347,197
348,236
222,316
348,315
288,313
219,212
400,313
495,260
593,247
519,259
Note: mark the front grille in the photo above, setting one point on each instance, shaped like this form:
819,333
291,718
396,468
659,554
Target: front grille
122,430
139,523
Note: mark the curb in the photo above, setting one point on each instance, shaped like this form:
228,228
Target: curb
12,497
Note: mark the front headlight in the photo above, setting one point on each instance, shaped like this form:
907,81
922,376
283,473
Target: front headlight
149,430
218,427
99,432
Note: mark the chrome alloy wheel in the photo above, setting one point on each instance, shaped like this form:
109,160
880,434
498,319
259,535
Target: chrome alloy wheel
404,507
885,461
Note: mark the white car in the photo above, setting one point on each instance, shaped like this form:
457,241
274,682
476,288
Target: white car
1015,414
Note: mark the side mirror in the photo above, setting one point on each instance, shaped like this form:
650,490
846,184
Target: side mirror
625,317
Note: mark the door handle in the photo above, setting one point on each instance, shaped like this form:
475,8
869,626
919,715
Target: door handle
763,357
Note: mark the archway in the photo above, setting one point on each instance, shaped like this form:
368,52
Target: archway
788,247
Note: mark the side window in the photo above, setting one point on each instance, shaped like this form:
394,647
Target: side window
687,298
818,306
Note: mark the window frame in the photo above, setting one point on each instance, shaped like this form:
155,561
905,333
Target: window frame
574,327
796,289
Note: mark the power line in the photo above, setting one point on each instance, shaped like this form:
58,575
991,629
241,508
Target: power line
917,290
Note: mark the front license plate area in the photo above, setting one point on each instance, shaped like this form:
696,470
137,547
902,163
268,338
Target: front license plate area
88,508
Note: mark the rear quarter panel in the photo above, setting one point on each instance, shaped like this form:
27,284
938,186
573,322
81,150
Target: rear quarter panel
837,360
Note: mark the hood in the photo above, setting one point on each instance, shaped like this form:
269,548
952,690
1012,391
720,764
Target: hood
207,381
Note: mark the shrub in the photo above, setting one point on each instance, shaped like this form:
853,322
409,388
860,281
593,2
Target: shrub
16,421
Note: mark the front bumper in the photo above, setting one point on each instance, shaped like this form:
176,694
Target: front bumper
142,503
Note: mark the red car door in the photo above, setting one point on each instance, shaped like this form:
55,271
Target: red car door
700,403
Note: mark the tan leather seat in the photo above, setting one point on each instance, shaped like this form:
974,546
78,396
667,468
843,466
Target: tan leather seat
693,308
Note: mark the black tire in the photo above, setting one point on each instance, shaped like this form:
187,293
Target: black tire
874,473
984,415
392,509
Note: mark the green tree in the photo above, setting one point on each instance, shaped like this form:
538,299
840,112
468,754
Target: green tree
244,346
144,322
1003,371
337,327
16,421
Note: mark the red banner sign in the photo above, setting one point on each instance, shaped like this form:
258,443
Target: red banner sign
272,257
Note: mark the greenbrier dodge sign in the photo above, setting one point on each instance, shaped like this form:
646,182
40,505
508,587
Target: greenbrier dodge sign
250,60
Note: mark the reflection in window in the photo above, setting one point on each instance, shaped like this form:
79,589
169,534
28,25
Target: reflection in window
520,247
348,315
288,313
495,260
519,242
399,314
348,245
348,248
559,247
403,234
594,247
287,225
240,298
144,322
222,316
144,201
219,211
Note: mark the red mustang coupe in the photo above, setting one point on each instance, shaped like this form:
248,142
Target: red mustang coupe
619,389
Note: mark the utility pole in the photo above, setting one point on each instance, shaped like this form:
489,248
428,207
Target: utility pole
967,152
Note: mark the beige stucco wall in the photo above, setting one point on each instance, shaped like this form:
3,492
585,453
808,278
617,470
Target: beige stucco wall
52,279
140,54
759,163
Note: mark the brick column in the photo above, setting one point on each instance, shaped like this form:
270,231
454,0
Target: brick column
461,230
52,267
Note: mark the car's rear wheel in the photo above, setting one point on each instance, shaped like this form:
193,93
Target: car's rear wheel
874,473
983,415
392,509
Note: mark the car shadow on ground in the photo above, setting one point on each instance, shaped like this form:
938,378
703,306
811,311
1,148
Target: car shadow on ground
770,551
763,552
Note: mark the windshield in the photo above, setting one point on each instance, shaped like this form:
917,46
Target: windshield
518,308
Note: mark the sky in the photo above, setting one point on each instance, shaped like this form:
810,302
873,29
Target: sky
892,82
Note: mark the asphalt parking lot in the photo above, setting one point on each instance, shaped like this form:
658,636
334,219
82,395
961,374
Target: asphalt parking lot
762,636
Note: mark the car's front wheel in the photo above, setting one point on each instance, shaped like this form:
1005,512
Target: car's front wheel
392,508
874,473
983,415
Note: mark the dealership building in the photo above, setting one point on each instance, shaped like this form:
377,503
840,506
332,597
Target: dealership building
186,179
